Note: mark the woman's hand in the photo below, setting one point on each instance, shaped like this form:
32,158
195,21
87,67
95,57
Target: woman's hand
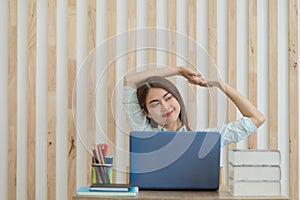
196,78
188,73
199,80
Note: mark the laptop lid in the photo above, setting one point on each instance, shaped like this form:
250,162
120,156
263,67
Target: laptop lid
175,160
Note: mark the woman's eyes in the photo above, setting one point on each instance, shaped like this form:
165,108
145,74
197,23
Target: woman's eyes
168,98
153,105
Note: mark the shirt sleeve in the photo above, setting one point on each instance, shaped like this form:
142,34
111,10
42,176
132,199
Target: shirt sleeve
135,117
236,131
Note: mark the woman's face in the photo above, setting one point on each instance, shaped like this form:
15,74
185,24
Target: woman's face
163,108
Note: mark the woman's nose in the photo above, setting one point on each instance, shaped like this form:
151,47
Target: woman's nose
164,105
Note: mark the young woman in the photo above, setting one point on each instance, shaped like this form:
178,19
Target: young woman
154,103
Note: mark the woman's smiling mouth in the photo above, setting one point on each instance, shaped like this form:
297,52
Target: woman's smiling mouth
168,114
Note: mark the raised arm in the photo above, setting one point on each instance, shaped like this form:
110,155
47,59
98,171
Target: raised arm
242,103
133,78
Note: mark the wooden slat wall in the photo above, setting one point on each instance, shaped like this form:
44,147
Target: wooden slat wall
212,52
231,68
22,76
273,65
91,82
152,39
192,59
31,88
52,104
172,6
132,38
131,45
12,101
172,42
293,100
231,79
252,51
44,142
71,98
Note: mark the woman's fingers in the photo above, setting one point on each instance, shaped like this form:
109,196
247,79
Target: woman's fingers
198,80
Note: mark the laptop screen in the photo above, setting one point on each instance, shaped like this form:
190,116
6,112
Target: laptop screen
175,160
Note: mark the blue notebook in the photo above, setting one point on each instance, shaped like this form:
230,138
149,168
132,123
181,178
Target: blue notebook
85,191
175,160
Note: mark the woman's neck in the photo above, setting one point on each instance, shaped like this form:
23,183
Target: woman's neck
173,127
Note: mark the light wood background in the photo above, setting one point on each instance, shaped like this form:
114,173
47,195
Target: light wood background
56,102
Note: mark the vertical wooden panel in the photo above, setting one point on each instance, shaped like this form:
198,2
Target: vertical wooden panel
31,87
12,93
91,82
212,52
172,37
91,25
131,45
252,51
41,100
152,36
231,41
192,52
132,35
62,101
22,76
51,100
111,78
273,67
231,110
71,102
4,99
293,101
172,7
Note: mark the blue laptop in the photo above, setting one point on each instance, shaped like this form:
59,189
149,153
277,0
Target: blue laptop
170,160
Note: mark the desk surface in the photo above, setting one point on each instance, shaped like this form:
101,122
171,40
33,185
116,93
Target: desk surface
176,195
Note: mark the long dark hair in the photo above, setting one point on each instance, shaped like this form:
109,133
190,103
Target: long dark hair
160,82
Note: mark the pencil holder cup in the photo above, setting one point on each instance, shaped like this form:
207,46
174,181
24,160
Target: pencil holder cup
102,173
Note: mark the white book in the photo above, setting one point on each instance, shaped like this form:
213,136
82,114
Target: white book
253,157
255,172
255,188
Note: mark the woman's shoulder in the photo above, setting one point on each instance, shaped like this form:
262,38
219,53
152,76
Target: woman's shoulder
128,88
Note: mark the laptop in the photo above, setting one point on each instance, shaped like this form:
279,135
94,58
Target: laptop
170,160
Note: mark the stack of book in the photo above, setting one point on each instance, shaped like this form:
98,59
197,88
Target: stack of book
254,172
107,190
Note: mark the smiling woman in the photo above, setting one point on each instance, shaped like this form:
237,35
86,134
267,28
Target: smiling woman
154,103
162,103
49,116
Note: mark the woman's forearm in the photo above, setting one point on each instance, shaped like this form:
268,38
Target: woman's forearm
133,78
243,104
